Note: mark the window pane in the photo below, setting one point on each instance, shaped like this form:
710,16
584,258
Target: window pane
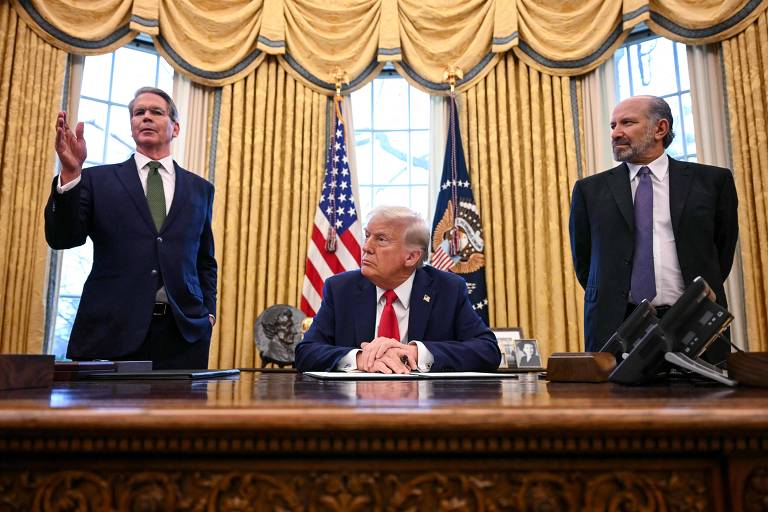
390,104
418,193
676,148
390,153
364,156
164,77
361,106
622,73
690,136
96,73
78,264
120,143
93,114
651,64
420,157
682,64
366,202
133,69
392,161
65,317
395,195
419,109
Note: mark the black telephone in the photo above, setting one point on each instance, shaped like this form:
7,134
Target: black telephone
679,338
632,329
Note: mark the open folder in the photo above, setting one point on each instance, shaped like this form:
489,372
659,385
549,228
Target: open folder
408,376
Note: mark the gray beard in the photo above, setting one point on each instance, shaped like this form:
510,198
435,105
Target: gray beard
633,151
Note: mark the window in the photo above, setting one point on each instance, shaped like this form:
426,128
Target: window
109,82
659,67
391,121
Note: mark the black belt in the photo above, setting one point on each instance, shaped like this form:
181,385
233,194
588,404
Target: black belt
161,309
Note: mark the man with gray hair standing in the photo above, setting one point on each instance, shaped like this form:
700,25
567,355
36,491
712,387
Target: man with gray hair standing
395,315
151,294
648,227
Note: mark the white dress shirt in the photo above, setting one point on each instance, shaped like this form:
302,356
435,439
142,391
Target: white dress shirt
402,310
666,266
167,173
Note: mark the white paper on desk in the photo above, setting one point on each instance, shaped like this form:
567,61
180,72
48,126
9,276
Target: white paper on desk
408,376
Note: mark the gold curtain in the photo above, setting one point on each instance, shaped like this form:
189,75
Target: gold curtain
746,73
517,125
269,165
218,43
31,77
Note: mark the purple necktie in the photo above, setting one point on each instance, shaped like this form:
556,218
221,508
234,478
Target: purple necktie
643,276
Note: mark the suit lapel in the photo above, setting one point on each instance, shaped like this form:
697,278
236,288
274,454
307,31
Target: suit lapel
181,194
618,182
128,176
365,310
680,178
422,298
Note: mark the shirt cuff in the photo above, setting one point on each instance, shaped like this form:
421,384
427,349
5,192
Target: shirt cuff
348,363
426,359
69,186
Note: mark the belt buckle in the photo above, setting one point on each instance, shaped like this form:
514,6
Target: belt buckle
161,308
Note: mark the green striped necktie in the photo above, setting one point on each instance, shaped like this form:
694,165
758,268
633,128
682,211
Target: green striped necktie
155,194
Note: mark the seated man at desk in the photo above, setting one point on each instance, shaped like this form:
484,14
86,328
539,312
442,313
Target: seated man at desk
395,315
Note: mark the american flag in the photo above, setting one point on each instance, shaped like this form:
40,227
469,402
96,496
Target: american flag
336,234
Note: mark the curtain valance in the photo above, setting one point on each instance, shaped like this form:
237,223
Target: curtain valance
321,42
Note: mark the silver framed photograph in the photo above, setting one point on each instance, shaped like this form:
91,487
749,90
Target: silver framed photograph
527,353
506,337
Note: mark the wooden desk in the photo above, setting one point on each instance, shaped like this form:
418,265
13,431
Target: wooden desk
272,440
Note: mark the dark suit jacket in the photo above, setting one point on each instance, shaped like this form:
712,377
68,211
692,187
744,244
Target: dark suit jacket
440,316
130,257
703,204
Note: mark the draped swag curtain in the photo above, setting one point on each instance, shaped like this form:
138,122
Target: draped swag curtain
517,125
218,43
745,60
268,171
31,78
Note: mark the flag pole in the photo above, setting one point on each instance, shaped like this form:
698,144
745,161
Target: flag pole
339,77
451,75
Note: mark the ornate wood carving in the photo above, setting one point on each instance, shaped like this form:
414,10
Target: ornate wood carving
195,488
756,490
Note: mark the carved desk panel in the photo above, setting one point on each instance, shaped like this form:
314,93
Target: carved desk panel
281,441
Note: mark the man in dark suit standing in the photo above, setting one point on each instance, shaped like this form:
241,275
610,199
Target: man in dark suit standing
646,228
151,293
394,315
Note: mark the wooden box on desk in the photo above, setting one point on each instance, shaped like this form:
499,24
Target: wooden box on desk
19,371
580,366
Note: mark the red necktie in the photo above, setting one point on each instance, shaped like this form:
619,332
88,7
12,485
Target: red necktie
388,321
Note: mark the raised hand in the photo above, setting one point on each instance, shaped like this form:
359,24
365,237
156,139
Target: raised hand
70,146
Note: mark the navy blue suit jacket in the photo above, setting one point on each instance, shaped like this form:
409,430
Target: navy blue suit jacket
130,257
703,207
440,316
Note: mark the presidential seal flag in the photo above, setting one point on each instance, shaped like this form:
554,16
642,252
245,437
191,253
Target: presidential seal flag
336,234
457,233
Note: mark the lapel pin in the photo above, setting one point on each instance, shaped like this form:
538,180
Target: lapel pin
426,298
